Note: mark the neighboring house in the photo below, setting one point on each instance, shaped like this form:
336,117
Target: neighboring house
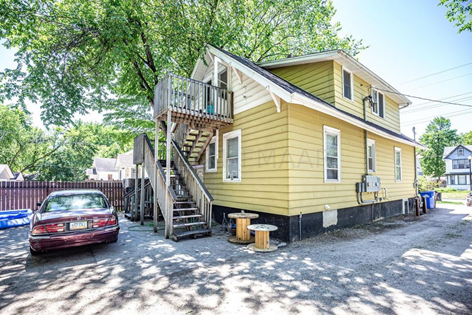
5,173
458,166
291,140
18,176
103,169
124,165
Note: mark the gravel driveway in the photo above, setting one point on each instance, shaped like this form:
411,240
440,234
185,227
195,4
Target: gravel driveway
402,266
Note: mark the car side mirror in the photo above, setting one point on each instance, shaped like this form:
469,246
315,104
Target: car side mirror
39,204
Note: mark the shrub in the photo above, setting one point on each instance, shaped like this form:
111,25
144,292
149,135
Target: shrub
424,184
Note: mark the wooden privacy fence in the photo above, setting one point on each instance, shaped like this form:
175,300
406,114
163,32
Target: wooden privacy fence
25,195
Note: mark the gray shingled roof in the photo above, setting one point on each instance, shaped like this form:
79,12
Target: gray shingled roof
124,160
292,88
104,165
449,150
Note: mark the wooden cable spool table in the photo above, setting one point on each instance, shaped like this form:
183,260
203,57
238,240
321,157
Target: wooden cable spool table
243,220
262,243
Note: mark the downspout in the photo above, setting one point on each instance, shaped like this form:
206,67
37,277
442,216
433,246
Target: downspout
366,99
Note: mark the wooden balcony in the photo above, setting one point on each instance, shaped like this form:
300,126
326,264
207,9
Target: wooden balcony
199,105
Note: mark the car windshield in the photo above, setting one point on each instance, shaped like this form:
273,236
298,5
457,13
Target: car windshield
75,202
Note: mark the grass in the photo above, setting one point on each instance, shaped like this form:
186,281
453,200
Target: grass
449,203
455,195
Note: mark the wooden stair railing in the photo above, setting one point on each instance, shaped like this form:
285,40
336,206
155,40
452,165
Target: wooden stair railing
201,196
159,183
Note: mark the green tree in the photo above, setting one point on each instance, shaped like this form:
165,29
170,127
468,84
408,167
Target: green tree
107,55
58,154
460,12
23,146
82,143
437,136
466,138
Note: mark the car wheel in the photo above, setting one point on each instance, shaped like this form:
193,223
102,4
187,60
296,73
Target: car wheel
34,252
468,204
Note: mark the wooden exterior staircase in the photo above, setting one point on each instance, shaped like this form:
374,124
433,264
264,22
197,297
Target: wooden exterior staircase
188,112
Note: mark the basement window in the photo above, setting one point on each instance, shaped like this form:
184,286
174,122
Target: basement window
348,91
332,155
232,156
398,165
371,155
212,155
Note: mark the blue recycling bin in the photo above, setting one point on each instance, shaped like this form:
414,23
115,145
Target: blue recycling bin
430,202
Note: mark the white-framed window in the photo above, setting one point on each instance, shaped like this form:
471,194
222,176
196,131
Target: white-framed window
212,155
378,103
460,152
398,164
452,179
371,155
232,156
462,180
348,84
332,155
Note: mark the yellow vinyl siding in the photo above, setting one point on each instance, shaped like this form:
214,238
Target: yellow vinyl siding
356,107
307,190
264,165
324,79
316,78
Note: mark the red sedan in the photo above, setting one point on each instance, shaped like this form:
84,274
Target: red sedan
73,218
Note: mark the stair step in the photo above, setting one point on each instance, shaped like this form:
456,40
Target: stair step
188,216
188,224
185,209
182,234
182,196
183,202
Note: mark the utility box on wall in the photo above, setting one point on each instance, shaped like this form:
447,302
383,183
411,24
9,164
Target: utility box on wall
369,184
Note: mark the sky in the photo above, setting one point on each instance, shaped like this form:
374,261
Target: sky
408,42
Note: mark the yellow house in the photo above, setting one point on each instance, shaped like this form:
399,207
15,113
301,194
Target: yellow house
310,143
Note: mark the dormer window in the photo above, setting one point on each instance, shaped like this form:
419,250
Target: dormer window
348,91
378,103
460,152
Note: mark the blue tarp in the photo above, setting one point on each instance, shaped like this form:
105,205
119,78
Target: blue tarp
14,218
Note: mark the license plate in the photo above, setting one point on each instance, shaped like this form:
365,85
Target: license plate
78,225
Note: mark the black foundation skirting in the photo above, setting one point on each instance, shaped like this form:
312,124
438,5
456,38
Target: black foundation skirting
312,223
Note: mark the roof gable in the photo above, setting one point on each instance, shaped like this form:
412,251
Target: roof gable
294,94
450,151
104,165
5,168
343,58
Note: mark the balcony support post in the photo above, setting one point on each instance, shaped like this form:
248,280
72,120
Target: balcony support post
168,227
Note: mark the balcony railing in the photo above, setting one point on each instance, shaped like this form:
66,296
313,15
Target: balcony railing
187,96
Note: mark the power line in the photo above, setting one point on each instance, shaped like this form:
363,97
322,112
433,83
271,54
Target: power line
450,115
430,75
424,98
433,105
441,81
441,99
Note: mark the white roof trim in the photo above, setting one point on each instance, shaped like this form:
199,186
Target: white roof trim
344,59
269,85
